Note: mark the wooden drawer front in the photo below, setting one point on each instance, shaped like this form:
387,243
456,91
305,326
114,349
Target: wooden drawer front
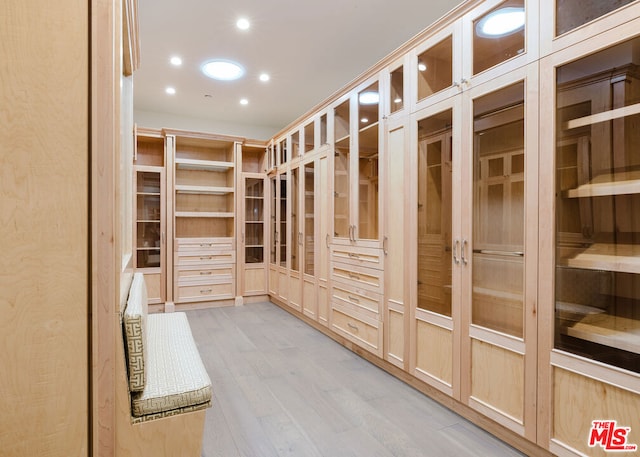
197,245
205,258
355,255
205,292
366,278
357,298
365,334
206,273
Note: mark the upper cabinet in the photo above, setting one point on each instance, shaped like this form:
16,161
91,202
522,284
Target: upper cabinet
356,166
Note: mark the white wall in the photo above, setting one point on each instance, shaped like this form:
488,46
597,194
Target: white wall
152,119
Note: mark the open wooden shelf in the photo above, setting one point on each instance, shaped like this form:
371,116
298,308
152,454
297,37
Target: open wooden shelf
210,165
618,332
213,190
204,214
624,258
621,183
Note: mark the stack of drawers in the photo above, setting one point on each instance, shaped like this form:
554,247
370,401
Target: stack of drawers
357,280
205,269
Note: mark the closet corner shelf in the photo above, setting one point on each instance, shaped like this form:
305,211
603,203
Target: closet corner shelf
623,258
627,182
209,165
618,332
184,189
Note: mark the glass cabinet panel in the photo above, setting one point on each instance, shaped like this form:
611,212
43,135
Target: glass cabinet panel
434,213
254,220
274,220
498,35
282,230
573,13
368,117
498,211
295,221
323,129
396,93
282,148
341,168
309,220
295,145
598,207
435,68
309,137
148,219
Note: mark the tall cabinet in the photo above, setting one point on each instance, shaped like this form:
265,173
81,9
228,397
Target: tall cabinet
149,209
204,216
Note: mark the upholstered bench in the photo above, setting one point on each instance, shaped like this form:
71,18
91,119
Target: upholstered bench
165,375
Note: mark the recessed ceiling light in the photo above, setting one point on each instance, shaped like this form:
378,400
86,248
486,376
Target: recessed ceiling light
264,77
421,66
243,23
369,98
244,101
175,60
501,22
170,90
222,70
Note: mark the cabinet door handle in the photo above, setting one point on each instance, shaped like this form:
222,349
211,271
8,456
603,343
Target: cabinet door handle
242,237
300,238
350,231
276,238
464,258
351,326
354,299
385,239
327,240
162,236
456,260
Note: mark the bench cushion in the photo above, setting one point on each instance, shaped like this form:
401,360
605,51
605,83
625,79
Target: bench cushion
134,321
176,377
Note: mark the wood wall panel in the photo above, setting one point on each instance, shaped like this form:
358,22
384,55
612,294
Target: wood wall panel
578,400
493,366
44,163
434,351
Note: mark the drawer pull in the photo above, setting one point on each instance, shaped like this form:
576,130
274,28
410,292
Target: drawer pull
206,272
206,257
354,256
206,291
354,276
205,245
354,299
351,326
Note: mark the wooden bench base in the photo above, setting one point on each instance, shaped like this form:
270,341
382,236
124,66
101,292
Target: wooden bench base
174,436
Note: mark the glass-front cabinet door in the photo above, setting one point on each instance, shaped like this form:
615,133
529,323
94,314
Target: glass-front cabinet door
356,166
254,220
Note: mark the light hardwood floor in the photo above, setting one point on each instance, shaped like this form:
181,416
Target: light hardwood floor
281,388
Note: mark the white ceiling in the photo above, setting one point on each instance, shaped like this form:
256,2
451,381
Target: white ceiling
310,49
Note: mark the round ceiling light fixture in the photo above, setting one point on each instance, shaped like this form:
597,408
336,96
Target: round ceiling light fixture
243,23
222,70
170,90
176,61
244,101
369,98
264,77
501,22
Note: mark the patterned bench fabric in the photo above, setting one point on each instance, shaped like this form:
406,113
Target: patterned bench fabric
134,321
176,376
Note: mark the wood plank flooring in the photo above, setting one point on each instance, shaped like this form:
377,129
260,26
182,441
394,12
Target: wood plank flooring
281,388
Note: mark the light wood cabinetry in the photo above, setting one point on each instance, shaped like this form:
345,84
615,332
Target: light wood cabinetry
253,214
149,207
204,216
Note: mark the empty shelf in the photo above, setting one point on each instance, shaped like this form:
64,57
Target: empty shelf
622,183
613,331
624,258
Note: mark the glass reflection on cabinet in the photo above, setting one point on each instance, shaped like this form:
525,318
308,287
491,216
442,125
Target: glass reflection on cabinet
396,92
282,229
254,220
309,220
434,213
498,209
597,287
295,221
574,13
341,193
435,68
498,35
368,162
274,220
